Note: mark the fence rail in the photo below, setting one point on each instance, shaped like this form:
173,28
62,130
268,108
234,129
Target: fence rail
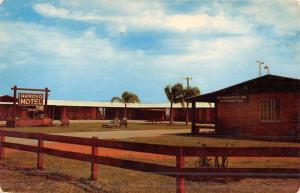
180,172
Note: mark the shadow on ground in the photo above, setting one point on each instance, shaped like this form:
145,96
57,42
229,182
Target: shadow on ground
82,183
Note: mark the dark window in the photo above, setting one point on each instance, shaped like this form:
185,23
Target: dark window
270,110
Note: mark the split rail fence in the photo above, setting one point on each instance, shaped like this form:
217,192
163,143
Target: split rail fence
180,172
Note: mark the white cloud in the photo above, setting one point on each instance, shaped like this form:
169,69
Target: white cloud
35,44
69,53
205,23
283,16
138,15
49,10
209,47
3,66
210,55
39,45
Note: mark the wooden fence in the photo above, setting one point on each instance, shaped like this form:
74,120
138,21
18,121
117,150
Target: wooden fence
180,172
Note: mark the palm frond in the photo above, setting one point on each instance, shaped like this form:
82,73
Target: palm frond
116,99
168,93
129,97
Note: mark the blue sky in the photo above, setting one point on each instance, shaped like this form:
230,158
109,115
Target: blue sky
94,50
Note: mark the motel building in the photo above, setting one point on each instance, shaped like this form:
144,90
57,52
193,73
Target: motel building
94,110
267,106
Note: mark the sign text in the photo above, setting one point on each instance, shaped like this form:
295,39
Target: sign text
232,99
30,99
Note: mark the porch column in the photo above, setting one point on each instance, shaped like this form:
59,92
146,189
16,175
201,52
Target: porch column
216,118
64,115
193,117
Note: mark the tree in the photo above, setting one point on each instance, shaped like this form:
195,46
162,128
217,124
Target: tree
175,94
190,92
127,97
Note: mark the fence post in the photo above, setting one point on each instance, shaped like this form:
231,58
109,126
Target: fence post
179,165
2,151
94,165
40,156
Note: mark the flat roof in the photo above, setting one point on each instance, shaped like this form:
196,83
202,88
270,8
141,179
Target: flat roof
70,103
121,105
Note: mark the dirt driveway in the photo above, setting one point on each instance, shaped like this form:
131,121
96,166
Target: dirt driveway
107,134
125,134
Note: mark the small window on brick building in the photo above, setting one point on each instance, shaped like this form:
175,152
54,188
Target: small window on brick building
270,110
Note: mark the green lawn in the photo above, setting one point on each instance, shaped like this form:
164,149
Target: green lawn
64,175
82,127
18,173
198,141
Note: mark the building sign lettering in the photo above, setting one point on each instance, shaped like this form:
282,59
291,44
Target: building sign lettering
232,99
30,99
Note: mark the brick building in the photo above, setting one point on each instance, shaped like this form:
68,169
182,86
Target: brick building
89,110
264,106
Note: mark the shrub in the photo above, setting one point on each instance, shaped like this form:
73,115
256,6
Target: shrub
207,162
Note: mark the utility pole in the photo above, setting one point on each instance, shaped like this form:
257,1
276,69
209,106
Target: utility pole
260,63
188,83
188,94
267,68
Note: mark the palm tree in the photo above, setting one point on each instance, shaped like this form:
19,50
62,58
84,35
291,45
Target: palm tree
190,92
170,98
127,97
175,94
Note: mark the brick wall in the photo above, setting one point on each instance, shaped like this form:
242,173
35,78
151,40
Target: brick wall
204,115
245,118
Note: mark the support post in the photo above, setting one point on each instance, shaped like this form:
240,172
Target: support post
179,165
40,156
218,128
187,113
14,102
193,117
94,166
46,103
2,151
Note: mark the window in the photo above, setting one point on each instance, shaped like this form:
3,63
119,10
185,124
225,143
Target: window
270,110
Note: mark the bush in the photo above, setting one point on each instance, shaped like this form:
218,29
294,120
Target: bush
208,162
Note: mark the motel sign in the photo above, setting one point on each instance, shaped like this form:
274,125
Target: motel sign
30,99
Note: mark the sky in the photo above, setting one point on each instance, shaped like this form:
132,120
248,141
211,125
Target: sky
96,49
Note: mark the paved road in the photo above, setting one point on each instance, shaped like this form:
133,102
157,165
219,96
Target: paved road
108,134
